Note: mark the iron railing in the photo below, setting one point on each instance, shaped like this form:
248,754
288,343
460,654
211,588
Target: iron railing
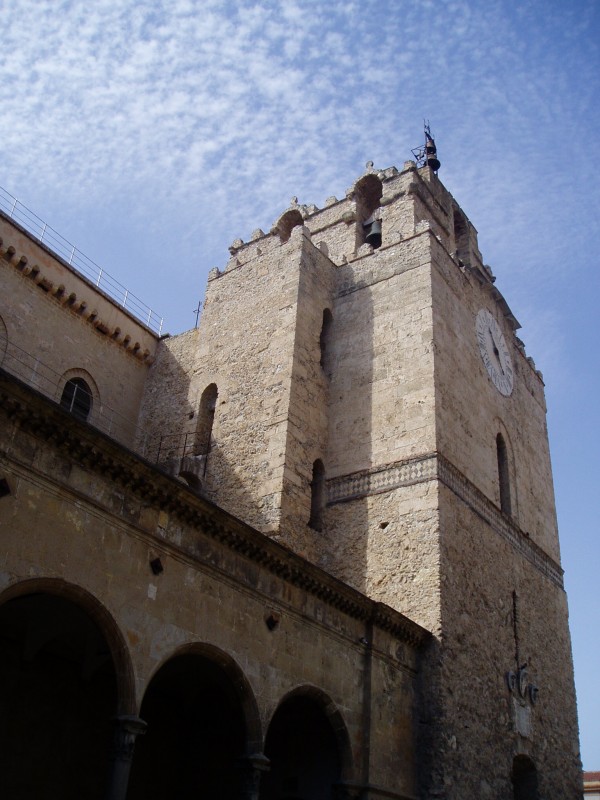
75,259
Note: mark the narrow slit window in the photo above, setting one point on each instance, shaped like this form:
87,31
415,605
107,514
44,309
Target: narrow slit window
503,474
324,338
317,496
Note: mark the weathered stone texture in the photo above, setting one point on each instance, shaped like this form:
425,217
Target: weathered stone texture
70,527
421,510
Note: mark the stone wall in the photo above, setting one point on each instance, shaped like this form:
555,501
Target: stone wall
85,518
59,326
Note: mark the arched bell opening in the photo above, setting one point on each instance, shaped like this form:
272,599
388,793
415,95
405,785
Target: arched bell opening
367,197
308,748
59,692
202,722
524,779
287,222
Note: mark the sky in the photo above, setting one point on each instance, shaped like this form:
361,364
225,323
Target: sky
152,134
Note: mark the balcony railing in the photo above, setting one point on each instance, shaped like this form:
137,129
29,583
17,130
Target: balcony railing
79,262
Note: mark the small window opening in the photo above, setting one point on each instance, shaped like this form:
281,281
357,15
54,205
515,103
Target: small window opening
503,474
77,398
206,418
317,496
325,333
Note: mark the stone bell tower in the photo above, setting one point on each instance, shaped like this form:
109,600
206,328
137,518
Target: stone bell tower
356,390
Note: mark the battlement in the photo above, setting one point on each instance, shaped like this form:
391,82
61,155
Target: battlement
400,203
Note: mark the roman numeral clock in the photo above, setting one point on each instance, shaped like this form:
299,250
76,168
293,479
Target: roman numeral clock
494,352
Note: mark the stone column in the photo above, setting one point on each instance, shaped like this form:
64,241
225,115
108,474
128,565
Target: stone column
127,729
251,768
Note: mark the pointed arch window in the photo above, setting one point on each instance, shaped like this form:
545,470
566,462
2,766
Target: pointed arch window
317,496
77,398
206,418
503,475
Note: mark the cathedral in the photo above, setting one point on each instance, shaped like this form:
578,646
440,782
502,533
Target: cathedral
306,550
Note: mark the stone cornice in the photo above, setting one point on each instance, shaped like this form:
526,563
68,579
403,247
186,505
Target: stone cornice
93,450
434,467
82,306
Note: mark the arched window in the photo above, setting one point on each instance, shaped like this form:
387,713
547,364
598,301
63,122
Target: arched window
77,398
206,418
317,496
503,474
324,338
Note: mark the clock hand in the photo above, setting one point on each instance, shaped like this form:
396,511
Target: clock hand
496,351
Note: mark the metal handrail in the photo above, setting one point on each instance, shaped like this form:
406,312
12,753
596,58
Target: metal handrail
67,252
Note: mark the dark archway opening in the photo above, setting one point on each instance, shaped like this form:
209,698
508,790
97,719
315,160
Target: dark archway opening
58,696
525,779
196,734
303,751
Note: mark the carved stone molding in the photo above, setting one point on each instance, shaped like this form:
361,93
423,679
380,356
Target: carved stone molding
434,466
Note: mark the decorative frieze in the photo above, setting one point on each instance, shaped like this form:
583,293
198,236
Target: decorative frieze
434,466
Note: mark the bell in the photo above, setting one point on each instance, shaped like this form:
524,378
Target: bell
373,237
431,158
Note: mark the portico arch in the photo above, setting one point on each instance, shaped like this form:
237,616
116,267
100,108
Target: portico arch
202,723
308,746
64,677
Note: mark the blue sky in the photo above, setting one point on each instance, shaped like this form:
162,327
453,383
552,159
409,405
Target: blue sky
152,134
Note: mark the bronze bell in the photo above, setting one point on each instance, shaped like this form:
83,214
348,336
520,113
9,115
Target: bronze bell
373,237
431,158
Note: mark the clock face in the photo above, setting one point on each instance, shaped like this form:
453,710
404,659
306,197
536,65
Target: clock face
494,352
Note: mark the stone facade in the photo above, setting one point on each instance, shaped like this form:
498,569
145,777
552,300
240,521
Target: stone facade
329,471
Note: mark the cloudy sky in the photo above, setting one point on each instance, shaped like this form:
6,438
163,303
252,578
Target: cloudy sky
152,134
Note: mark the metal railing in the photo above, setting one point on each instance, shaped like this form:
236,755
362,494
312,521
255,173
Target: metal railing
66,251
